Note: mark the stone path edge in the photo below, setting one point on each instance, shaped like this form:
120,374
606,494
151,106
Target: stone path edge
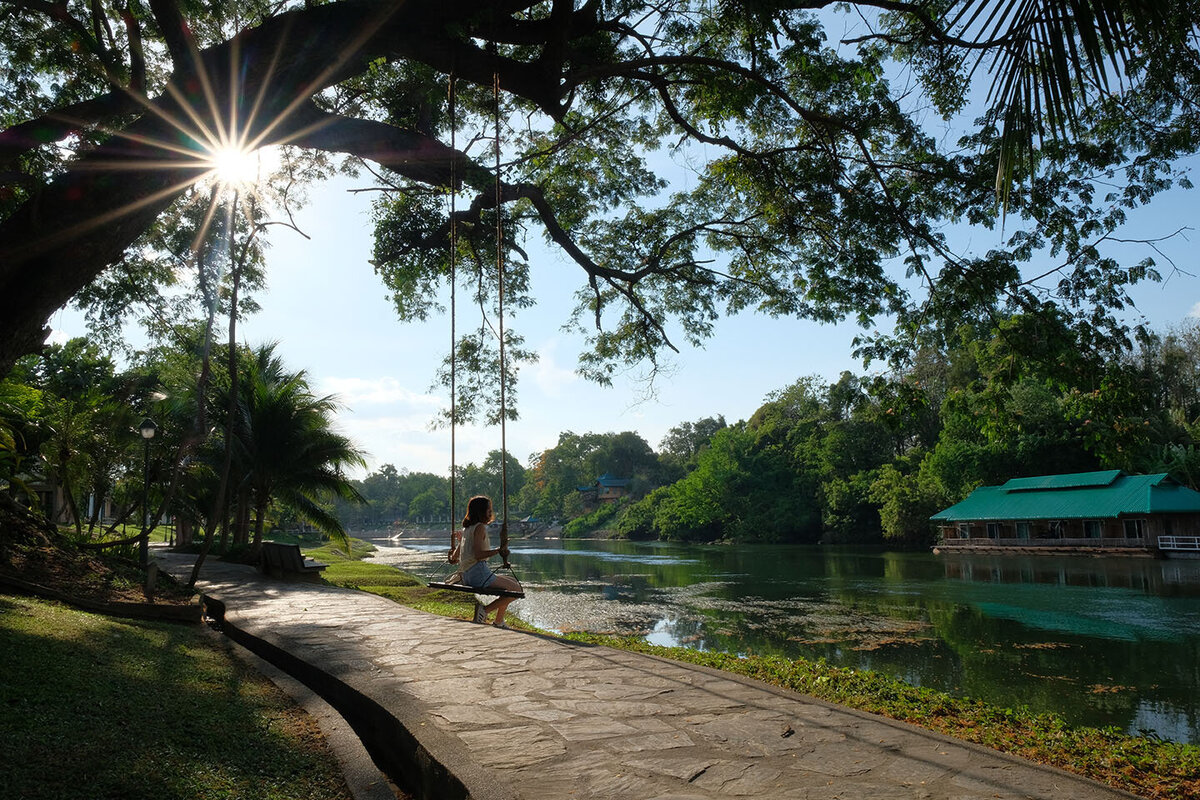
1023,763
416,756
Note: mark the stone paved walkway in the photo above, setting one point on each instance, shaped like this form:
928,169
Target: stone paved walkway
487,713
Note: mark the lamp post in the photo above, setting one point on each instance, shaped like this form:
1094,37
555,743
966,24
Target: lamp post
147,429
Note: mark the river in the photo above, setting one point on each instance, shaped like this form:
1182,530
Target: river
1101,641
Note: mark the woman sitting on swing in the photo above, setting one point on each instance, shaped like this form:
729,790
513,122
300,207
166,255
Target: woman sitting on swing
474,551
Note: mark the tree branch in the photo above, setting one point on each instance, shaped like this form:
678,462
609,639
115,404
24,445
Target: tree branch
412,154
175,32
56,125
137,54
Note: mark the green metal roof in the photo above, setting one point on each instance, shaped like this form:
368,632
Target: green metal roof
1083,495
1076,480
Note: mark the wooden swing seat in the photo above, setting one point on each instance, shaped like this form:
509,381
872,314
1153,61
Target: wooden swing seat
487,590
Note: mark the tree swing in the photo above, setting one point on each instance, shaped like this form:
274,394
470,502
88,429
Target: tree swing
450,584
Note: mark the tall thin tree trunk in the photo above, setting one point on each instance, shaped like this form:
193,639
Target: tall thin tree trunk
237,260
231,424
243,526
72,506
210,294
260,522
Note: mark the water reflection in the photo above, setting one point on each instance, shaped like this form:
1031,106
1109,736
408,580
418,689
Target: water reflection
1147,575
1103,641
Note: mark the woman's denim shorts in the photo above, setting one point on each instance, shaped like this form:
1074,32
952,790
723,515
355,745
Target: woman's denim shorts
479,575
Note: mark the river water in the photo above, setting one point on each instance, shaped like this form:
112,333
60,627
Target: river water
1101,641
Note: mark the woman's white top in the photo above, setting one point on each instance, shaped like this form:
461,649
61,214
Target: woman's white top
467,557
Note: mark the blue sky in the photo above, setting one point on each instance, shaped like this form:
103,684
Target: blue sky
330,315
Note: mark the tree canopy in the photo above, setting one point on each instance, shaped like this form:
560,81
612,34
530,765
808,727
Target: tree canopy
818,186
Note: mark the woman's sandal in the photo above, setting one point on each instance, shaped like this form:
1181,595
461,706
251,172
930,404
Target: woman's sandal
501,625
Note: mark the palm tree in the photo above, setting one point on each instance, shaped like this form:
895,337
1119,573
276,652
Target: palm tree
85,448
287,448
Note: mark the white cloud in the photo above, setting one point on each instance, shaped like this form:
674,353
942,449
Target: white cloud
551,379
58,337
407,441
1195,312
402,441
389,422
357,392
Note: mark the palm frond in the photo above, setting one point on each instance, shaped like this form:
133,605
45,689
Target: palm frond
1050,59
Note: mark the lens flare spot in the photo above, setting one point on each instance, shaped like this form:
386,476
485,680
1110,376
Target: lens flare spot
234,166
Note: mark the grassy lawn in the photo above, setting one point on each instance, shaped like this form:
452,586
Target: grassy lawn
98,707
1146,767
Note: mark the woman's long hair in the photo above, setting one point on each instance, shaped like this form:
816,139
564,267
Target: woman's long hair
479,509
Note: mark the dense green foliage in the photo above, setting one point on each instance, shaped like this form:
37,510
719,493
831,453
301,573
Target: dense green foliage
58,412
598,518
102,707
832,180
395,496
71,416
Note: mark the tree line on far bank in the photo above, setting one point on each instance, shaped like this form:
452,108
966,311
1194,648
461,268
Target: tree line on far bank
864,459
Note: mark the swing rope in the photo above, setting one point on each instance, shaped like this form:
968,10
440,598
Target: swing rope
500,333
451,100
500,315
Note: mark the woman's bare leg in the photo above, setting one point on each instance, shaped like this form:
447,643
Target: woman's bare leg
500,604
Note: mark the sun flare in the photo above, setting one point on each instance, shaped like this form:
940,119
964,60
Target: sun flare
233,166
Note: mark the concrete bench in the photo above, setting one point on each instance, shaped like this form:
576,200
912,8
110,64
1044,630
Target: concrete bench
285,561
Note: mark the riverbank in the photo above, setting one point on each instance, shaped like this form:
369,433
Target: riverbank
1144,766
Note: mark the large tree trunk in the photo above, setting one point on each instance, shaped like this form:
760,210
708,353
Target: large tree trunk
68,492
184,529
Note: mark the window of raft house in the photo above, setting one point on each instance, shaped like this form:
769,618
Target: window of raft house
993,530
1093,528
1135,529
964,530
1056,528
1024,529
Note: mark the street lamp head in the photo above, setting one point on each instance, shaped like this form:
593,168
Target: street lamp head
147,428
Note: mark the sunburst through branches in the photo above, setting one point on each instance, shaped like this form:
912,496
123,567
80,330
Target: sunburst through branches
234,167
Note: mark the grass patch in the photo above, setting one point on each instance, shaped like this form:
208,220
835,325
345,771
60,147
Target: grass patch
330,552
595,520
401,587
98,707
